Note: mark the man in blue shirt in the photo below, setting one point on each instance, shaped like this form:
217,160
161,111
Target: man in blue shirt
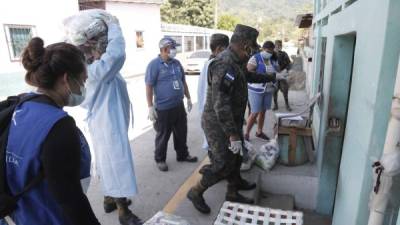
165,88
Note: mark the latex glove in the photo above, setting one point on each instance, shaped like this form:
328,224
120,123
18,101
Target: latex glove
236,147
152,114
109,19
189,105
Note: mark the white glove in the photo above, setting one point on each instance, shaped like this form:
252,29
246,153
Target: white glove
236,147
152,114
189,105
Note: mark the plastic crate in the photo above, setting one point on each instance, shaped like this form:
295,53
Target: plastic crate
241,214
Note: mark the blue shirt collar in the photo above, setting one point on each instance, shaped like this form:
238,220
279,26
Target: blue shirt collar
161,61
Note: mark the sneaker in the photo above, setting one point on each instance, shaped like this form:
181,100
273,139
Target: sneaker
162,166
262,135
188,158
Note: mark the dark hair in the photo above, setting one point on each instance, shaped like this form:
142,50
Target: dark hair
278,42
218,40
269,45
45,65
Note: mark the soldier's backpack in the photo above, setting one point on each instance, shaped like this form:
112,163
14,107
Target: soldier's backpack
8,202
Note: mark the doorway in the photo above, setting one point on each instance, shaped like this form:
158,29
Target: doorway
339,95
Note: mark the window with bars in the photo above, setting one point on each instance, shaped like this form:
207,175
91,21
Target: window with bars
18,37
139,39
189,43
199,42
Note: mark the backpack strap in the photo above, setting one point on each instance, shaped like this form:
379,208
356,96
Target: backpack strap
9,106
35,181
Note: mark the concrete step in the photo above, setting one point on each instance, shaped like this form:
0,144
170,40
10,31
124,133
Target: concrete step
313,218
301,182
215,197
276,201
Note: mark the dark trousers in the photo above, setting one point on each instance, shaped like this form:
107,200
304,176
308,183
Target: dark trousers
224,164
172,120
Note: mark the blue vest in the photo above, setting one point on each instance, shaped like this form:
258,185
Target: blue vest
262,69
30,126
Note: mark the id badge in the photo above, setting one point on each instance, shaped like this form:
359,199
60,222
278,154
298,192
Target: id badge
175,83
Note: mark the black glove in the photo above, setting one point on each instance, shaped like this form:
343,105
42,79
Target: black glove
269,77
253,77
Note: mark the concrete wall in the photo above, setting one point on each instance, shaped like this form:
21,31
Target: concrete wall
377,26
45,15
138,17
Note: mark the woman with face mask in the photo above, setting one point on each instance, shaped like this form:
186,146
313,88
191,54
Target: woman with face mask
260,95
43,139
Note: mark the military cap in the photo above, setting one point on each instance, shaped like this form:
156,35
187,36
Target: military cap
246,33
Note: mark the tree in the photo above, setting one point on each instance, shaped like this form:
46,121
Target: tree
227,22
190,12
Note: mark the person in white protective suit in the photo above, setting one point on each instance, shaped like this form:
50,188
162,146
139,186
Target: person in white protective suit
108,118
218,43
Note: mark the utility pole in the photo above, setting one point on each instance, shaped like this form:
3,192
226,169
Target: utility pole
215,14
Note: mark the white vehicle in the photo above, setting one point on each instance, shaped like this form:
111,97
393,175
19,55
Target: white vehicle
195,62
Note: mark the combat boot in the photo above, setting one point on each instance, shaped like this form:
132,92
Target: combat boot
110,205
125,215
246,185
233,195
195,195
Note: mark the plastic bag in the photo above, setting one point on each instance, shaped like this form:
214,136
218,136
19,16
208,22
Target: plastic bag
249,155
283,75
162,218
85,25
268,153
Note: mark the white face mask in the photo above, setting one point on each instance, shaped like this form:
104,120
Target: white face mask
76,99
266,55
172,53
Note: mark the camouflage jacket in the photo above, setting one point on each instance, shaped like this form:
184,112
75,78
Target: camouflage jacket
227,93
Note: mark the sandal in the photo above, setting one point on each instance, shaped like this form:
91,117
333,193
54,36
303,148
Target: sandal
262,135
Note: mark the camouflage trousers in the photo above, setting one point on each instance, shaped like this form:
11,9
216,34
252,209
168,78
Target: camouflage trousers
224,164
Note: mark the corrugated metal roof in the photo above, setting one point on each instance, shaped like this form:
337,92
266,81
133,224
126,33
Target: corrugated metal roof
126,1
304,20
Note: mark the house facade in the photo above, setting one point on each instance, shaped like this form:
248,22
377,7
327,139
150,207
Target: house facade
20,20
355,65
139,19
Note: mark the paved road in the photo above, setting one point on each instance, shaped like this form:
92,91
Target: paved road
155,187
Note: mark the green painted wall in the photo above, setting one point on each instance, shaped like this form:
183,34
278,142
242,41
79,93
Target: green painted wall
398,219
337,108
377,25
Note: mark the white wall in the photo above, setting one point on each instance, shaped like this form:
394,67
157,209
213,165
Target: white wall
138,17
46,15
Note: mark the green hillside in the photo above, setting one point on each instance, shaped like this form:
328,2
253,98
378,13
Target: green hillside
272,9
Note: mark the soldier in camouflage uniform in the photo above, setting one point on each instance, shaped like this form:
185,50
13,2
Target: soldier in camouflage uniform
222,119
